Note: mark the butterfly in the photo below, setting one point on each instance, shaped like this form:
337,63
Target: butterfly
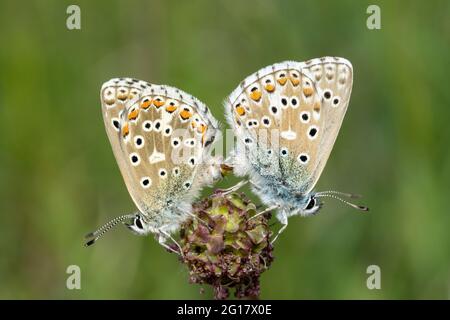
161,138
286,118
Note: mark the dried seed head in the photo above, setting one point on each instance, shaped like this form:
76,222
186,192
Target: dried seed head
224,247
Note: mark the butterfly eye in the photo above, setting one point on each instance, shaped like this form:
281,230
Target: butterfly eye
311,204
138,223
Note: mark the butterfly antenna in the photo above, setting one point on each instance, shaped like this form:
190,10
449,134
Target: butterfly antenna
94,236
343,194
334,196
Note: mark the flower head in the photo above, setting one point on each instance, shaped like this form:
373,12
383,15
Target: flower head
225,247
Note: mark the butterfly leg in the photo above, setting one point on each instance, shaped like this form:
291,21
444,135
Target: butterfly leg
199,219
232,189
162,241
264,211
284,221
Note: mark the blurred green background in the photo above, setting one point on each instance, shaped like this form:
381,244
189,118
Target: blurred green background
59,179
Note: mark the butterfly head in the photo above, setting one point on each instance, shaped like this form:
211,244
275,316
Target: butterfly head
138,225
308,205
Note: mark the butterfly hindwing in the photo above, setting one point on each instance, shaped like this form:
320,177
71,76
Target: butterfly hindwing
287,126
115,95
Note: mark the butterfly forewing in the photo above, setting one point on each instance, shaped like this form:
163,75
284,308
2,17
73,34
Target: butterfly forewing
334,81
280,115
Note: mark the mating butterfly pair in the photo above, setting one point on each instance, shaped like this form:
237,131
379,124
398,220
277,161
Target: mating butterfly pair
286,118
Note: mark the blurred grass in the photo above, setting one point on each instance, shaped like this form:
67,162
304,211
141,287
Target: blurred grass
59,180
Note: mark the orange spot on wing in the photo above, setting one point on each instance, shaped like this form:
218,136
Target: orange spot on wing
158,102
185,114
122,95
269,87
171,108
133,114
202,128
295,81
255,95
146,104
240,110
308,91
316,106
282,80
125,130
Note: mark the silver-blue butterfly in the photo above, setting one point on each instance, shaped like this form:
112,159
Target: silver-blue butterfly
161,139
286,118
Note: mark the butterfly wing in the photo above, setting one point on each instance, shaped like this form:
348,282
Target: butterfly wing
286,117
115,94
162,137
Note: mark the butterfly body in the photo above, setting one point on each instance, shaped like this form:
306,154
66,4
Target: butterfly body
286,118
